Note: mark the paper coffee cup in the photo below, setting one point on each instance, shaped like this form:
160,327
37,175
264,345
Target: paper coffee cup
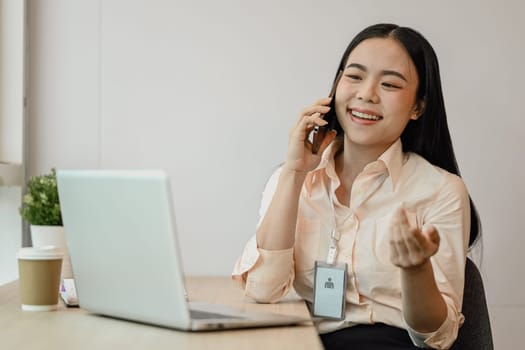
39,274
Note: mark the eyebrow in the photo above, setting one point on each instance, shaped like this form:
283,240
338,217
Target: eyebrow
385,72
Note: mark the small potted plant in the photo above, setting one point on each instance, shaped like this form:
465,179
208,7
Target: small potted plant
41,206
41,209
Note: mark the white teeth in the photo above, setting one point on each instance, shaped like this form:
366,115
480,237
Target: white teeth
366,116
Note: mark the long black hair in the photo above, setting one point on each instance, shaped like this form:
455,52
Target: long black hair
429,135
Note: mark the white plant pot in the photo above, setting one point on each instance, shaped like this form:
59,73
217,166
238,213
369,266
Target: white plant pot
55,236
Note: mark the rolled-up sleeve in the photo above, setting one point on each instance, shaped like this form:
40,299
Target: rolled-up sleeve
265,275
445,335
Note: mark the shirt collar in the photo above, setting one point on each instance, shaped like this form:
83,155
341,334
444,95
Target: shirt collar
325,165
392,158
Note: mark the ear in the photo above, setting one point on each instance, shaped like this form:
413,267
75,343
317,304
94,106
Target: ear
418,110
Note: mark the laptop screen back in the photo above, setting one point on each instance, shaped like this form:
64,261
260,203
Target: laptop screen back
121,236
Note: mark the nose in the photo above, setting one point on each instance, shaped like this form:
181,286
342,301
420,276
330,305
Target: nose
367,92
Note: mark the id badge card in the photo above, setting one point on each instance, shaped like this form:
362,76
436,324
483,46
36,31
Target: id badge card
329,290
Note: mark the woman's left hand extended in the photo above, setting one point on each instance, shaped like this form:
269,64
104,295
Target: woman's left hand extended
411,246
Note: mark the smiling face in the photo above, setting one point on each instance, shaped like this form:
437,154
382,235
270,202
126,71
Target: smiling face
376,97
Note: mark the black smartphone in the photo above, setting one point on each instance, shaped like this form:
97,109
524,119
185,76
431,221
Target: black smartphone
319,132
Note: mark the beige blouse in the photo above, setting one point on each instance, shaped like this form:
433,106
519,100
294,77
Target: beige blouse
430,196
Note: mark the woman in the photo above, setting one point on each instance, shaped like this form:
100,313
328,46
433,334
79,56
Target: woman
382,198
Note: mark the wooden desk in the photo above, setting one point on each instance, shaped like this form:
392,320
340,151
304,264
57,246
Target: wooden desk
74,328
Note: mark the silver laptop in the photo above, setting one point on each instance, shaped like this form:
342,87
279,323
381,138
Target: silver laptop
122,239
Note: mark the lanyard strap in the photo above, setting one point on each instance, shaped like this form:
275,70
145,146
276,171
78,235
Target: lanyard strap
332,248
334,235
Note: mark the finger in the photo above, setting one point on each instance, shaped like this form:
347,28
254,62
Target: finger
396,225
432,234
325,101
411,235
312,123
394,254
312,120
305,125
399,255
417,253
315,119
407,232
403,220
402,248
316,108
397,239
419,238
308,124
413,239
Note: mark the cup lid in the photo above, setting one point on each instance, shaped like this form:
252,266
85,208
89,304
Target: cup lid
48,252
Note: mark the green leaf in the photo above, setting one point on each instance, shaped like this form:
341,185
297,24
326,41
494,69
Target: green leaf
41,205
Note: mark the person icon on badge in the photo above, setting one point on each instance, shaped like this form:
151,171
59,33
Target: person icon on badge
329,284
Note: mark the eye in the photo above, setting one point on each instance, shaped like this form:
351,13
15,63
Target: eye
391,86
355,77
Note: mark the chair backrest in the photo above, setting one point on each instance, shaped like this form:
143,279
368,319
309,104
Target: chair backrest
475,332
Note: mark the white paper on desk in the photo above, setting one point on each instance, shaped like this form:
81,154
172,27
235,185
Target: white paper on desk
68,292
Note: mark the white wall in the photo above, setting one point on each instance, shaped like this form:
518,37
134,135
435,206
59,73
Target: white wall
11,133
11,80
208,91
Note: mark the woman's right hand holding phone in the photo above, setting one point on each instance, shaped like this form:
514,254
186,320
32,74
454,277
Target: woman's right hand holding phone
300,157
277,229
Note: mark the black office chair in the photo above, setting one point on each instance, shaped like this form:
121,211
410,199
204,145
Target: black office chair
475,334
